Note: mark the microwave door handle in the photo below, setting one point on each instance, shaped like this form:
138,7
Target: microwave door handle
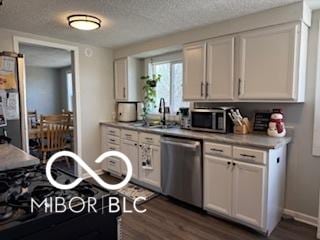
214,121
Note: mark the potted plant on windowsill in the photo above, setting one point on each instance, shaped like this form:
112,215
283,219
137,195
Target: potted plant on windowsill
149,89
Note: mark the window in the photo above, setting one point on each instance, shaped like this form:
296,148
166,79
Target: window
170,85
69,92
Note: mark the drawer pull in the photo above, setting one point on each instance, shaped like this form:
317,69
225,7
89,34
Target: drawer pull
112,140
246,155
216,150
229,163
148,138
128,135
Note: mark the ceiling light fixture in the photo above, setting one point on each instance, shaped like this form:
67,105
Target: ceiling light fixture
84,22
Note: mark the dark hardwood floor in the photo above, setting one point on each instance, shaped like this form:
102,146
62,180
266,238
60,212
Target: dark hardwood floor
167,219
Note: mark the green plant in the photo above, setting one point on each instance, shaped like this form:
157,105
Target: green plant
149,89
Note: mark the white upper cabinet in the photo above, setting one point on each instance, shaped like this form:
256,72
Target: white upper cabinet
127,73
220,68
272,63
121,78
194,56
263,65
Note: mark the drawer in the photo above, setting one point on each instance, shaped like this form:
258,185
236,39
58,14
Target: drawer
113,131
114,165
113,140
152,139
129,135
218,149
250,155
113,147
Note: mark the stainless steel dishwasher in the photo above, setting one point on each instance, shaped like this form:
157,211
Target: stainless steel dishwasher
181,172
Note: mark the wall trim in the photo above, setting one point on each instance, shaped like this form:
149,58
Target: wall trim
74,50
301,217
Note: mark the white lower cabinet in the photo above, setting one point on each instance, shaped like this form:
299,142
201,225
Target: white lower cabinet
248,193
248,186
131,150
235,189
150,166
217,184
146,173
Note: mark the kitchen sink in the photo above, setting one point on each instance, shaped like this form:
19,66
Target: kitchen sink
162,126
156,126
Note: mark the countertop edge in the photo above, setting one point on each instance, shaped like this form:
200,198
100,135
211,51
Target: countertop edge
285,140
13,157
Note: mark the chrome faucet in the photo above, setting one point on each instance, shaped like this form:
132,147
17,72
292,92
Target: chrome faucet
162,109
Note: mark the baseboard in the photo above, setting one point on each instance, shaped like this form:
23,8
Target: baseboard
301,217
98,172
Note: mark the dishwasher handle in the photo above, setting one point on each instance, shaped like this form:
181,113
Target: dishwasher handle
192,146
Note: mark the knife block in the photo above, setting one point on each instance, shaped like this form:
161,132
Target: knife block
241,130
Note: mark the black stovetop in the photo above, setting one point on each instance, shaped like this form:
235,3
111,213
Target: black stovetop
18,186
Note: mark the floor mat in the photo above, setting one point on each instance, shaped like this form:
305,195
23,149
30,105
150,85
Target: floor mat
132,191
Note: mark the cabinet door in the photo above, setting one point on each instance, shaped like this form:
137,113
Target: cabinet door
150,172
249,193
121,78
267,63
131,150
194,57
220,68
217,184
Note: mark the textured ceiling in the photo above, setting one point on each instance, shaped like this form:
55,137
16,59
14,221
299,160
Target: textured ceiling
124,21
39,56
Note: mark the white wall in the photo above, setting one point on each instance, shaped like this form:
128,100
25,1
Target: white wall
303,171
96,89
44,87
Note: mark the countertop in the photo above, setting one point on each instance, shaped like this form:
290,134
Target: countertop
12,157
252,140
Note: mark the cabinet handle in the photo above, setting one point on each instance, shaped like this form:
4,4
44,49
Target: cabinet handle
216,150
245,155
124,92
229,163
148,138
233,164
239,86
207,89
136,144
201,89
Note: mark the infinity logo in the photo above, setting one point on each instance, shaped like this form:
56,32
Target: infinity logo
89,170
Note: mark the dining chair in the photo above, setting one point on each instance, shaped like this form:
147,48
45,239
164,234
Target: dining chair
53,131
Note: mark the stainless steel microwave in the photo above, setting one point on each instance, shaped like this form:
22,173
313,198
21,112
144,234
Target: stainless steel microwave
211,120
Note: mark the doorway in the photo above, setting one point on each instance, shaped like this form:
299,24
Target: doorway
48,89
